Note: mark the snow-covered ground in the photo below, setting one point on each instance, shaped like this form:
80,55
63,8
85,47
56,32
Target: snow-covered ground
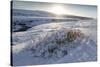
55,42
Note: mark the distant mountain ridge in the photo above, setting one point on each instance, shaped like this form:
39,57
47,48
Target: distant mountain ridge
36,13
40,13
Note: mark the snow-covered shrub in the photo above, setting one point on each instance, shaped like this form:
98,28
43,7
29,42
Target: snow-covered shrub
73,34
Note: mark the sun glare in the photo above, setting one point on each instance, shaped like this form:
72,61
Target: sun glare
58,9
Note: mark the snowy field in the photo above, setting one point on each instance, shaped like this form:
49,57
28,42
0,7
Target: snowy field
42,38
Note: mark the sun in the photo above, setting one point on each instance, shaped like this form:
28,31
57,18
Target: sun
58,10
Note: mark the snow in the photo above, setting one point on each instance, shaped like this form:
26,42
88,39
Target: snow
48,43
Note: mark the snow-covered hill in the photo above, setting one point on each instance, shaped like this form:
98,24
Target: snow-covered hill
50,43
22,20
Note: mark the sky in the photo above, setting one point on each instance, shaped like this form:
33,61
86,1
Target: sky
58,8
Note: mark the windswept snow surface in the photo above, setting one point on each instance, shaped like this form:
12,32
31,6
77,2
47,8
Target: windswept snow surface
38,41
43,44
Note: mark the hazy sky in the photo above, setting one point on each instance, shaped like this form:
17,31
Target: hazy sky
81,10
